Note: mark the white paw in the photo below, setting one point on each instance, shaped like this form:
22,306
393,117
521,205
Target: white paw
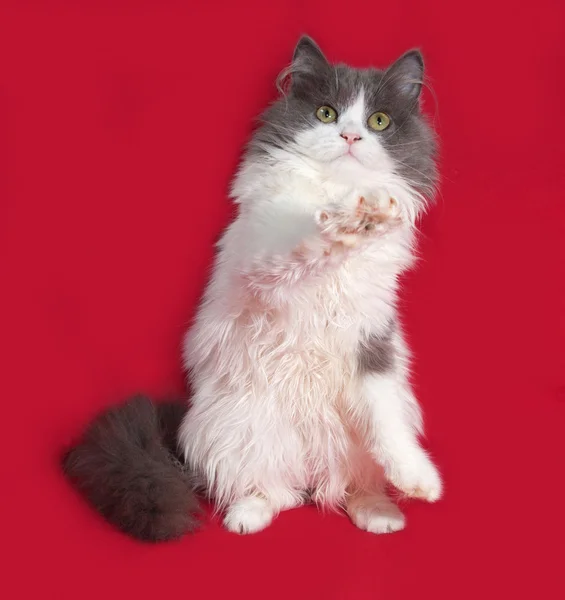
369,217
386,203
417,478
248,515
376,514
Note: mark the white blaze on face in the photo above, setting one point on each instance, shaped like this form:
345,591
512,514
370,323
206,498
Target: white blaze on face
366,160
352,120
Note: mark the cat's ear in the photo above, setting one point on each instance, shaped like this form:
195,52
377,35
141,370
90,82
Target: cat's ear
308,62
308,54
407,74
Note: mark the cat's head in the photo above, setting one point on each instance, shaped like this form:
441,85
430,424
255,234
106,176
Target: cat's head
358,125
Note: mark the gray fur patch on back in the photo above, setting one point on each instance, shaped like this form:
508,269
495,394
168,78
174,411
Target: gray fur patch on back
376,352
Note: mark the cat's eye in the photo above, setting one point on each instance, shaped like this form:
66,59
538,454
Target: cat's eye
326,114
379,121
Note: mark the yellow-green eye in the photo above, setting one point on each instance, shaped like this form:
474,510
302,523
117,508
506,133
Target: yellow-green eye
326,114
379,121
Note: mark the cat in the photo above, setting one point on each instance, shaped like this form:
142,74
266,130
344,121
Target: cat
298,366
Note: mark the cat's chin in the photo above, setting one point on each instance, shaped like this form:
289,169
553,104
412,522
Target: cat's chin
349,169
351,158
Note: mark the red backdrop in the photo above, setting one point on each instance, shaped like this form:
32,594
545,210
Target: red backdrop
120,126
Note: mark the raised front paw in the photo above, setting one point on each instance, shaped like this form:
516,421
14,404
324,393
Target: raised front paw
417,477
372,216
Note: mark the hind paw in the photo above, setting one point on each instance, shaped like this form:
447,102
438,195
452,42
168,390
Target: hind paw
375,514
248,515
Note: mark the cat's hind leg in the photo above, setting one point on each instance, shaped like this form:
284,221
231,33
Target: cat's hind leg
249,515
367,503
374,512
253,513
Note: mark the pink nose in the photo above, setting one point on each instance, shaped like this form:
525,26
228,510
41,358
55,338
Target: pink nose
350,138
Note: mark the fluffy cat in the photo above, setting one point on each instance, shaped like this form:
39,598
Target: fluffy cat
287,400
298,367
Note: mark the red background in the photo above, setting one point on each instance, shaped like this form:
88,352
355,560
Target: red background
121,124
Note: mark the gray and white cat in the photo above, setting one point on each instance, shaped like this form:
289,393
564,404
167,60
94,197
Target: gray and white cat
298,366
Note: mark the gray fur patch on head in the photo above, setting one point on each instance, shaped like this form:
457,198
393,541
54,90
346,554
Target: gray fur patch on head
314,82
376,352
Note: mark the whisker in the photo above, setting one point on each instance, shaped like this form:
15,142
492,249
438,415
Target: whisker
407,144
395,132
414,169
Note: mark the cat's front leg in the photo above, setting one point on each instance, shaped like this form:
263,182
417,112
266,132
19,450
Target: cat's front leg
346,227
339,231
394,418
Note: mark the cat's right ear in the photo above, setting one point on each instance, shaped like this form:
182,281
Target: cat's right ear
308,55
308,63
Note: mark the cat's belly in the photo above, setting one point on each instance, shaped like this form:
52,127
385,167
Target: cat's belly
274,393
312,388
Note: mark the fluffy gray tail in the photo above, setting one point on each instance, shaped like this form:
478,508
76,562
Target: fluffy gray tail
127,467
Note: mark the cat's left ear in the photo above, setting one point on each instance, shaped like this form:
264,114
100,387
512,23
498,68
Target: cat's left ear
407,74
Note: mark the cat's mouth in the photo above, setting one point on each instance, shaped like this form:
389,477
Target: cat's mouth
349,154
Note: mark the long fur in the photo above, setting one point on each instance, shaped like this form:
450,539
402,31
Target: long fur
287,404
282,405
127,467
